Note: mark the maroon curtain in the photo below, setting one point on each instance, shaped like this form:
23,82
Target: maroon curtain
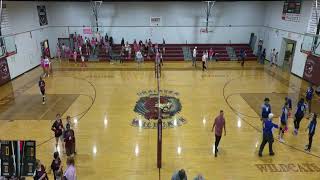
4,71
312,70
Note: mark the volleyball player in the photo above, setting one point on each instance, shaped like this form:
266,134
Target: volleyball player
42,86
283,121
69,140
266,109
312,129
57,128
289,101
71,127
301,109
309,96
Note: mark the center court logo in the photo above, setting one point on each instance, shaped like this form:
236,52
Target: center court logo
147,108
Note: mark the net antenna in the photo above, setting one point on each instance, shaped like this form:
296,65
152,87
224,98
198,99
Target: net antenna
208,11
95,5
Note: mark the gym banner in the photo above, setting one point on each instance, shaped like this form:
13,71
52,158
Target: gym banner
4,71
312,70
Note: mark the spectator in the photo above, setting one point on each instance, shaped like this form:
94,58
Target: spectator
139,57
179,175
262,56
122,54
210,54
163,46
111,41
272,54
56,167
276,58
106,38
242,56
70,173
122,42
40,172
135,46
126,47
194,56
58,52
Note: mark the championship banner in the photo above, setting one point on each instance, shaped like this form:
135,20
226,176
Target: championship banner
4,71
291,10
312,70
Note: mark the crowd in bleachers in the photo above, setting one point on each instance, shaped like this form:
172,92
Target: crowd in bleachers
104,45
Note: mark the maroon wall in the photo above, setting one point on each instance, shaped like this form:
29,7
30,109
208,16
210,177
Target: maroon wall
312,70
4,71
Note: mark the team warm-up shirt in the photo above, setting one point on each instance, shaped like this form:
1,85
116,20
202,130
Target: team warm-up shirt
300,109
284,115
266,110
309,93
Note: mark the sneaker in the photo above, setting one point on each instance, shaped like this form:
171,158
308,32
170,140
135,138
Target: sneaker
271,154
281,140
260,155
215,155
43,102
307,149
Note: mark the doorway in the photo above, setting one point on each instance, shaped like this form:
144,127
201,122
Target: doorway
288,50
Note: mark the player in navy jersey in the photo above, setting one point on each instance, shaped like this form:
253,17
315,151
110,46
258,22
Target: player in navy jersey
283,121
309,96
266,109
58,129
312,129
42,86
301,109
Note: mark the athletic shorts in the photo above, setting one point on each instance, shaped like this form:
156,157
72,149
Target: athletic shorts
283,123
43,92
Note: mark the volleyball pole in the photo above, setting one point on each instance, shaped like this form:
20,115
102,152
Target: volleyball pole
159,136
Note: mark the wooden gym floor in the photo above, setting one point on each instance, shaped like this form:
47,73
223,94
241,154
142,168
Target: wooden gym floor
102,98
